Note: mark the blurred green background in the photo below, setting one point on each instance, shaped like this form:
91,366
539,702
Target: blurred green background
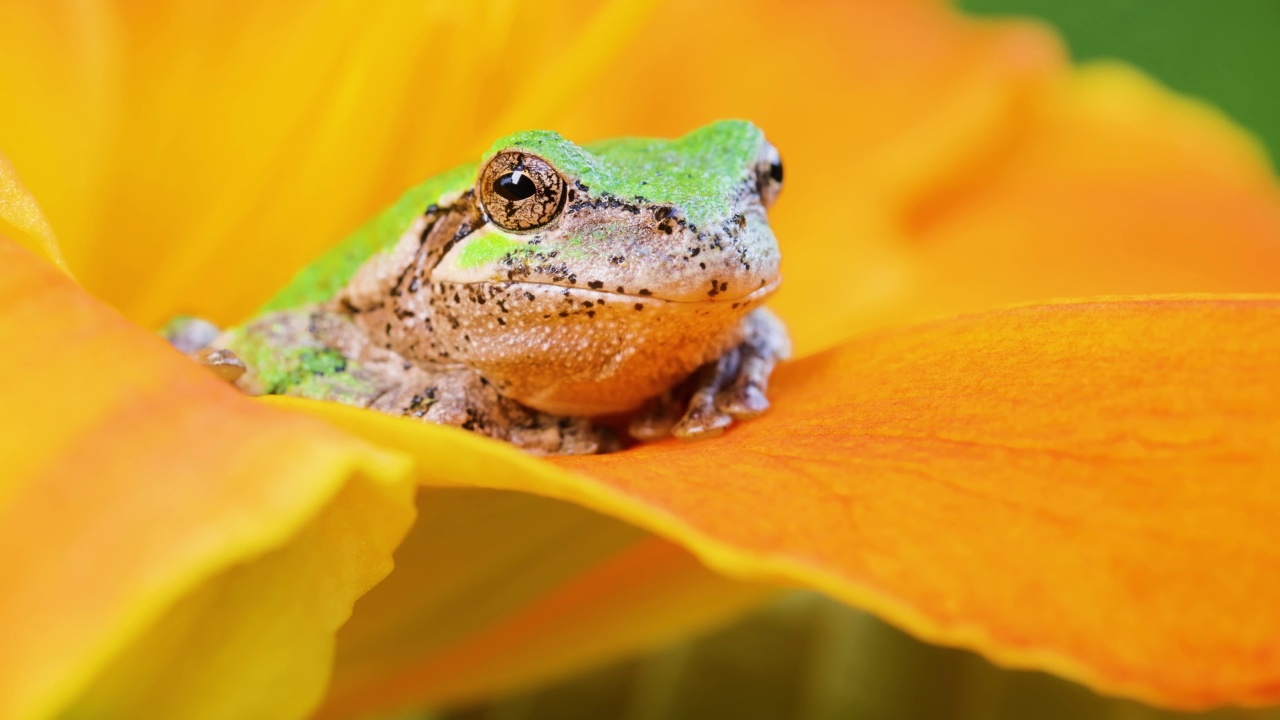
1223,51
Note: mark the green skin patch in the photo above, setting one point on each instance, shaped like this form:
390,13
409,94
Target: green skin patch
309,371
487,249
692,174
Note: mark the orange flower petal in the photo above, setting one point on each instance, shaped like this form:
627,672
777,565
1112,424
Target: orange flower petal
1084,487
158,526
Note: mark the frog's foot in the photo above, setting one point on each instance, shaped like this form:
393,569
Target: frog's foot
732,387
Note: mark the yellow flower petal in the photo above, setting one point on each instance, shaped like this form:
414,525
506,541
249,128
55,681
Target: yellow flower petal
21,218
172,549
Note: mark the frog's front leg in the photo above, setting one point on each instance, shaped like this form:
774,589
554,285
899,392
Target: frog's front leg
732,387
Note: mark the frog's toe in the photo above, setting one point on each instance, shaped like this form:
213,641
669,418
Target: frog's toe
745,397
705,418
702,422
221,362
657,419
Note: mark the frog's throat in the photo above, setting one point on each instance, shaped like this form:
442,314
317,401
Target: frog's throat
750,298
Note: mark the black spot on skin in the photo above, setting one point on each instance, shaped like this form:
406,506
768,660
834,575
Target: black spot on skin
456,298
724,286
564,313
645,292
702,265
587,304
620,289
693,252
639,306
595,284
501,321
573,279
591,313
665,226
528,295
415,285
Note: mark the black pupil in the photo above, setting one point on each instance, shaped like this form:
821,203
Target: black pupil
515,186
775,171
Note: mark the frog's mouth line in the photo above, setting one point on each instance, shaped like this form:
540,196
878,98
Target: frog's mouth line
754,295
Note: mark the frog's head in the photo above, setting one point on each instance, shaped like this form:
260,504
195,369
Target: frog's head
608,241
680,220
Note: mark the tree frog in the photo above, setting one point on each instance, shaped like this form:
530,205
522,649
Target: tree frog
544,287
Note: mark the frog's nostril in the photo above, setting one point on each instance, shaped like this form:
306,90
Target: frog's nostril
775,170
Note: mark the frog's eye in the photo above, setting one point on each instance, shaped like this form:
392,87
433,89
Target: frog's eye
769,172
521,191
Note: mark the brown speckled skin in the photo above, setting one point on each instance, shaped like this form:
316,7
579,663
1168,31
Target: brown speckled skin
593,335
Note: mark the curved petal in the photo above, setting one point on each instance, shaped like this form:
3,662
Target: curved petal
1085,487
157,526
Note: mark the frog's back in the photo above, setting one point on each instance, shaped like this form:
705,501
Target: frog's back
330,272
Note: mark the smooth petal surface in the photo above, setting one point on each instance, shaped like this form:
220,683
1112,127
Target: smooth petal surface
157,527
1087,487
